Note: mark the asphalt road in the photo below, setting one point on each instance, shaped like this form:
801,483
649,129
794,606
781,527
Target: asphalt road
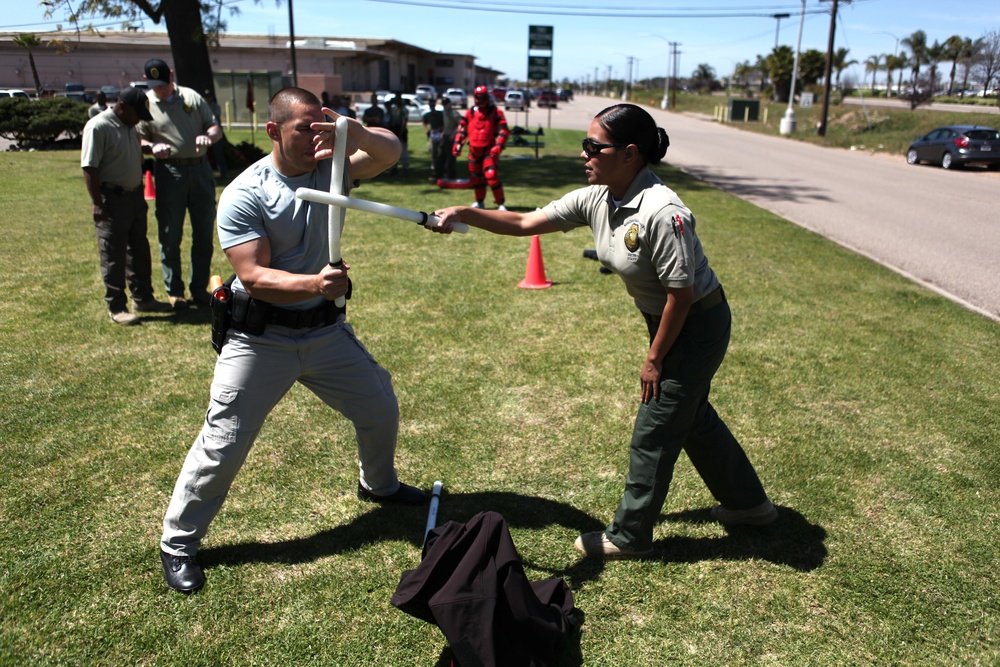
939,228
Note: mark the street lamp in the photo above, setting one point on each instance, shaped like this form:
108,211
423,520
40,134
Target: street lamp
787,125
888,84
895,48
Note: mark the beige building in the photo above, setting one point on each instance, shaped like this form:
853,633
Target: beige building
356,66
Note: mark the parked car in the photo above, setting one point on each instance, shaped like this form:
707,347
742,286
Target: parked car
415,108
499,93
14,92
955,146
427,93
76,96
139,85
458,97
110,92
548,98
515,100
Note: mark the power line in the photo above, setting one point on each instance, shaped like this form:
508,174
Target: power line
567,10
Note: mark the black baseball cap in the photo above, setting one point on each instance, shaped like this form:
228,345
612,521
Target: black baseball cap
157,72
132,97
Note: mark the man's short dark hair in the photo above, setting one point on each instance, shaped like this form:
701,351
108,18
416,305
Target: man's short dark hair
280,108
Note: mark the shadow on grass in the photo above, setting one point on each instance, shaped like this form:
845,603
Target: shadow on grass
791,541
196,315
395,522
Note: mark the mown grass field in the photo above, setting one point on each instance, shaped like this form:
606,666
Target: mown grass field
868,405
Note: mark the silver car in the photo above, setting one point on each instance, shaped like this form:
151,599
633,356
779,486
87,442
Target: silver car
458,97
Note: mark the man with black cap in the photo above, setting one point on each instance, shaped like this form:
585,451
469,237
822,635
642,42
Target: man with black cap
179,135
111,158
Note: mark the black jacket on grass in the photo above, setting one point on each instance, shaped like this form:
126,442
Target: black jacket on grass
471,584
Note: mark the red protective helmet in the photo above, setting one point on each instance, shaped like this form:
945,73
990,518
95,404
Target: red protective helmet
482,96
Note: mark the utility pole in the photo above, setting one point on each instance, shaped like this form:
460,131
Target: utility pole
778,26
665,102
628,82
675,54
821,130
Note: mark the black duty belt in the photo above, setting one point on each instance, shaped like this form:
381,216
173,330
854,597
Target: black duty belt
182,161
109,189
707,302
321,315
704,304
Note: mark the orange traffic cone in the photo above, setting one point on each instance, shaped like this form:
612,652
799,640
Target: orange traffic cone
534,275
150,190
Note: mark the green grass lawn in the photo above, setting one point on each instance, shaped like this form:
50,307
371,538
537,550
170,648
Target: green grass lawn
868,405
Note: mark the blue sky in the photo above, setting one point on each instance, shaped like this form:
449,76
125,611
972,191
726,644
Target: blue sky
589,39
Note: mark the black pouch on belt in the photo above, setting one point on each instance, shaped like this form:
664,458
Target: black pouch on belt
249,314
222,313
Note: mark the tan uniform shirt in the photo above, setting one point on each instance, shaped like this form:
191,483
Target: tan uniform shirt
112,147
649,239
178,121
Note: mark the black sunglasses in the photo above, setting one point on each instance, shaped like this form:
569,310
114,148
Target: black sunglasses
592,148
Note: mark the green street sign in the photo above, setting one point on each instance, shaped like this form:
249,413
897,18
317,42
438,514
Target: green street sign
539,68
540,37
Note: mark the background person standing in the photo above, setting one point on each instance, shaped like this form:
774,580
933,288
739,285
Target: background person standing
434,127
111,158
397,120
449,127
179,135
99,105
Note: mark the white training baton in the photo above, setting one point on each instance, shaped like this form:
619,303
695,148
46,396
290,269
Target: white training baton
374,207
335,224
432,513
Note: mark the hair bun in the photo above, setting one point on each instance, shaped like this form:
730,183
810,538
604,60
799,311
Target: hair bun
664,143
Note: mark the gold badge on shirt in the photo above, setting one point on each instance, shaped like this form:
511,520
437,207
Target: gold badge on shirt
187,108
632,238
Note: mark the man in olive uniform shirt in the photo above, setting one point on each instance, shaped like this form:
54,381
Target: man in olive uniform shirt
179,135
111,159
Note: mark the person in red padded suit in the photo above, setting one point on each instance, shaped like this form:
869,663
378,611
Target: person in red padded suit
486,129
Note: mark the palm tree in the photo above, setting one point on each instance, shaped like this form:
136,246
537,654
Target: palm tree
30,41
935,54
952,52
742,73
965,55
904,62
892,64
703,77
762,69
873,64
917,43
840,63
